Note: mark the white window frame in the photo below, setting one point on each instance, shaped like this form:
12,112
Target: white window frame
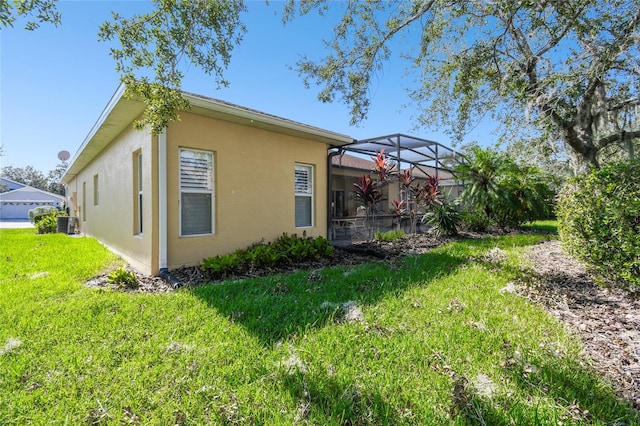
206,186
138,193
307,191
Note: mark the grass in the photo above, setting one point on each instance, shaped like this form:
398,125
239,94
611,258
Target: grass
550,226
426,340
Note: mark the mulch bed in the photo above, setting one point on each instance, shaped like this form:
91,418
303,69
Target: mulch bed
606,319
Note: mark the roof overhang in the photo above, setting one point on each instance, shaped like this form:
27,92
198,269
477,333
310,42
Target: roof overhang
116,116
120,112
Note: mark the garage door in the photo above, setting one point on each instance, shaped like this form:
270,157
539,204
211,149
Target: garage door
14,211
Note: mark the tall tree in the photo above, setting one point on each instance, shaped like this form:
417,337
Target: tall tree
568,67
158,43
54,178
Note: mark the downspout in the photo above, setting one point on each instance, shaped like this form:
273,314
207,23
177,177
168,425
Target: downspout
162,212
329,188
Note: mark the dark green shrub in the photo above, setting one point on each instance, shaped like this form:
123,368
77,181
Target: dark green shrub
599,221
443,218
527,196
122,278
509,194
475,220
285,249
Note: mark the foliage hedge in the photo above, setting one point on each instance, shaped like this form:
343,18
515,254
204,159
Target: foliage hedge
286,249
599,221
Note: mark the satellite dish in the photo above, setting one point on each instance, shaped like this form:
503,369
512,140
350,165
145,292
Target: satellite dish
64,155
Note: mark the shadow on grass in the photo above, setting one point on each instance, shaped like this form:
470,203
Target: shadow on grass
324,400
275,307
574,394
586,398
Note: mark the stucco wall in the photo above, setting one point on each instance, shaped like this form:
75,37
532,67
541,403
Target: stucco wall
110,218
254,186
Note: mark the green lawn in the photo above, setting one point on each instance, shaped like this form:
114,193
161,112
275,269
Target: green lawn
426,340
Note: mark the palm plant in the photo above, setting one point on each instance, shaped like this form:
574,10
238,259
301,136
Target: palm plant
530,196
507,193
481,174
443,218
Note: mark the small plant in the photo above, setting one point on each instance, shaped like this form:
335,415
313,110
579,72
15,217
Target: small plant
122,278
397,208
263,256
443,219
323,247
389,236
220,266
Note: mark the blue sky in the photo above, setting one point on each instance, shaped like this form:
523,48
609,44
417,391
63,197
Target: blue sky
56,81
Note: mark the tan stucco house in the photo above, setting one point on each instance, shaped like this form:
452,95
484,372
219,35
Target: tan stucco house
221,178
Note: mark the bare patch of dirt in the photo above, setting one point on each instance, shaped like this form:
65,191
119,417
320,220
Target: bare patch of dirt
606,319
146,283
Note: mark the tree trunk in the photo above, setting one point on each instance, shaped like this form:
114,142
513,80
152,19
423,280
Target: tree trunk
583,163
583,151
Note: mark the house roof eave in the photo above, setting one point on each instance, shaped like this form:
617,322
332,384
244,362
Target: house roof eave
116,116
120,112
234,113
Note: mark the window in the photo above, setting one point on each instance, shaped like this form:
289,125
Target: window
137,193
84,201
196,192
95,190
304,195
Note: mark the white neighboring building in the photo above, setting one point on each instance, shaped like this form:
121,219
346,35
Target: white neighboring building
15,204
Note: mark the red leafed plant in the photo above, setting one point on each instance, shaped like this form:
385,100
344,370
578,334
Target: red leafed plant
397,207
425,196
367,191
382,165
406,179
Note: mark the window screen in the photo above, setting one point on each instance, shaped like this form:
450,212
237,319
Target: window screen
196,192
303,195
